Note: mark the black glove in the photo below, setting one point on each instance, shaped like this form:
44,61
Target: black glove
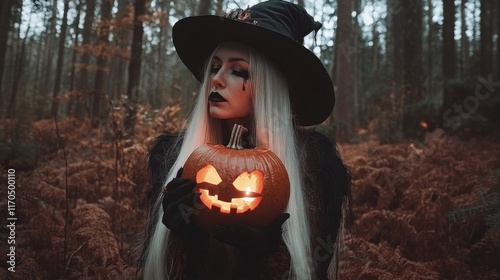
178,200
260,242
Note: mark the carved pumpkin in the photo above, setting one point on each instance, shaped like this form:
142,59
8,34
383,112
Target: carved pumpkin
236,184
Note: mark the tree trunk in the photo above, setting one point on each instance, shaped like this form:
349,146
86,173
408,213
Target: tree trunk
375,51
101,74
388,65
407,92
49,57
464,41
60,60
430,47
134,69
486,43
5,17
204,7
391,107
38,66
448,49
498,40
76,30
220,7
449,52
18,71
121,39
334,57
83,84
344,114
356,68
161,71
473,45
412,68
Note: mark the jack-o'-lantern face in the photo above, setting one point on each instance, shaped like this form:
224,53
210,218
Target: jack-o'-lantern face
243,194
237,185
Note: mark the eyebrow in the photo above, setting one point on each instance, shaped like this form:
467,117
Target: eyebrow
231,59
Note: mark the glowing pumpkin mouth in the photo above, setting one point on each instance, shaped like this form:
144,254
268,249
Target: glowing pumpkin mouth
237,205
243,195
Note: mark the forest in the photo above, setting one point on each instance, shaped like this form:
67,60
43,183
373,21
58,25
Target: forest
86,86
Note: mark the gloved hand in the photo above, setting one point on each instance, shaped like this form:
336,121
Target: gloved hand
178,200
260,242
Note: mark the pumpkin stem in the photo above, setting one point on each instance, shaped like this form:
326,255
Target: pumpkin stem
236,134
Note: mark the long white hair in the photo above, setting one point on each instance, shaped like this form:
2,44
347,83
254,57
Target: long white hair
273,128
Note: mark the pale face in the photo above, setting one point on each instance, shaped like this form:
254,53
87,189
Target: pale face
230,96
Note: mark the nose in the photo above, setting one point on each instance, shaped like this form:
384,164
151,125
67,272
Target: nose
218,80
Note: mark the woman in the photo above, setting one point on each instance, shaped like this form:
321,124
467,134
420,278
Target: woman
255,72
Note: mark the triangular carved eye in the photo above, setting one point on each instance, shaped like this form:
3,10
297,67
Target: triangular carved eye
208,174
250,182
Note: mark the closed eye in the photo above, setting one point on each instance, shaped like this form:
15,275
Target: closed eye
241,73
214,70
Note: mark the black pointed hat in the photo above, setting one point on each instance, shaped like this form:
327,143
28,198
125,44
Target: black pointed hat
275,28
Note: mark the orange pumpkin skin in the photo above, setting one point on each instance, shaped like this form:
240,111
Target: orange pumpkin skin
233,167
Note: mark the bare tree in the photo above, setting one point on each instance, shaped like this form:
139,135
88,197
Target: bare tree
430,45
498,40
83,83
344,114
412,68
486,41
204,7
76,30
407,31
5,17
449,52
60,60
101,74
220,8
121,40
18,72
464,40
134,69
161,55
50,36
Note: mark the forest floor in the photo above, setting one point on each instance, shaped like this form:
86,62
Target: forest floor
422,209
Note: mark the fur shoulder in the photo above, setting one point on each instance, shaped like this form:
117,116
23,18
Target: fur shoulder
161,157
332,178
327,183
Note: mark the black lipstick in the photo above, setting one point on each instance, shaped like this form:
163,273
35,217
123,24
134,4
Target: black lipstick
216,97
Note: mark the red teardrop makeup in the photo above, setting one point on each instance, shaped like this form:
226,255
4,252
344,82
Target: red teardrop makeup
230,97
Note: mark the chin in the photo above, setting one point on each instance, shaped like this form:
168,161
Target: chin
217,114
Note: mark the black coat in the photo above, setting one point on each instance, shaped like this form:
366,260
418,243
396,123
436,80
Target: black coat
327,182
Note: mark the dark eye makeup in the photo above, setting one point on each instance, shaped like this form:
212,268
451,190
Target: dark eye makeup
241,73
214,69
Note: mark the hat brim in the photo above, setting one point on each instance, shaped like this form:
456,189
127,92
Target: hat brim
312,93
